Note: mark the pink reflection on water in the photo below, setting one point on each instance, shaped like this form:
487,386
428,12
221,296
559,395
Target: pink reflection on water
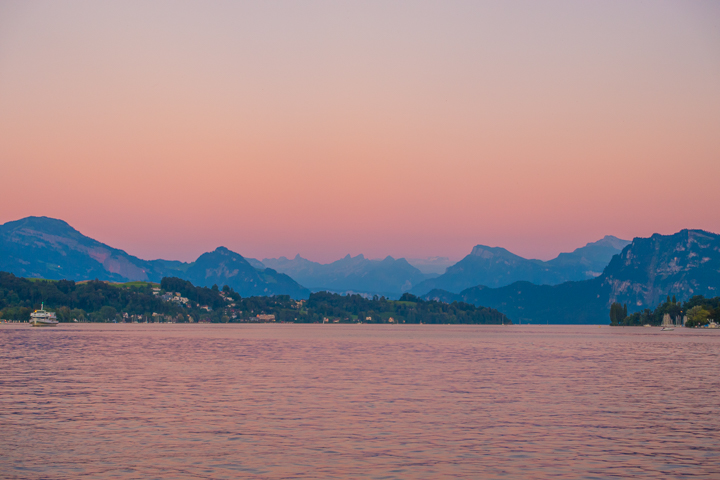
360,401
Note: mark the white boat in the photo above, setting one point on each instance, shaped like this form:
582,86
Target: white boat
43,318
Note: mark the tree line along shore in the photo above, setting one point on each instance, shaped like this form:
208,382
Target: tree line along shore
179,301
698,311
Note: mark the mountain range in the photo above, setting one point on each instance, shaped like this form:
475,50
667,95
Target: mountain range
497,267
642,275
42,247
390,277
431,265
491,266
567,289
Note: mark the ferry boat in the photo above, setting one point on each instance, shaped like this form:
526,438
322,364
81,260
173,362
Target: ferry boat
43,318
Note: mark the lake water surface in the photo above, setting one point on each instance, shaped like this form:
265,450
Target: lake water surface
358,401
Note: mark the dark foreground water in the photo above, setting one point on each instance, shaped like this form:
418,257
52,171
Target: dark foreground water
358,401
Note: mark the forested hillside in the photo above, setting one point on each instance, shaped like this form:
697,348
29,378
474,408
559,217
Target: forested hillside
178,300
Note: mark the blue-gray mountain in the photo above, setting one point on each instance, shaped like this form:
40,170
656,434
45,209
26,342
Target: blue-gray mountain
42,247
642,275
497,267
390,277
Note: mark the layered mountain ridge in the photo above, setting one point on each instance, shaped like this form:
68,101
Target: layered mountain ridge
390,276
641,273
497,267
42,247
647,270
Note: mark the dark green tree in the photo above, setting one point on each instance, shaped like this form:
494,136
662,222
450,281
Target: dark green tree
616,314
108,313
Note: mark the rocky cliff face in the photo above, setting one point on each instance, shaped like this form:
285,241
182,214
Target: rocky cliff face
642,275
684,264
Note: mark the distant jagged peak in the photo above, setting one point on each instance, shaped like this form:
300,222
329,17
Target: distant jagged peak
612,238
610,241
282,263
221,252
685,235
483,251
349,260
281,258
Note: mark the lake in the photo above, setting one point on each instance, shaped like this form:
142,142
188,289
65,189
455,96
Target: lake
358,401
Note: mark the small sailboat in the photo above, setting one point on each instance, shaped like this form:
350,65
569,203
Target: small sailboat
667,324
43,318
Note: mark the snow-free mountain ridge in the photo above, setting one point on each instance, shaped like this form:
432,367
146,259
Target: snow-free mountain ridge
644,274
43,247
390,277
497,267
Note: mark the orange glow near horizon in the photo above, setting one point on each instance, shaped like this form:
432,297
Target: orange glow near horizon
409,129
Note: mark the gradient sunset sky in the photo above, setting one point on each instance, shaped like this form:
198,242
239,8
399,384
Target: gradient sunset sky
409,129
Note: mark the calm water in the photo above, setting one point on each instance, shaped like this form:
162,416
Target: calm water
358,401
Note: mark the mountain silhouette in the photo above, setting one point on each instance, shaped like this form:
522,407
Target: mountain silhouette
42,247
647,270
497,267
390,276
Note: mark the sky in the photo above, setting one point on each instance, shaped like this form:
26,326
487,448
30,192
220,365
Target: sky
403,128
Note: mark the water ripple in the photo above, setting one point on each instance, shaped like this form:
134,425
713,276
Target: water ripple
374,402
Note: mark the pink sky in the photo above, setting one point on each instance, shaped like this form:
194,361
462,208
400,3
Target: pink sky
386,128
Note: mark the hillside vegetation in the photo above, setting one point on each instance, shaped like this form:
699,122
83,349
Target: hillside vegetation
698,310
178,300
